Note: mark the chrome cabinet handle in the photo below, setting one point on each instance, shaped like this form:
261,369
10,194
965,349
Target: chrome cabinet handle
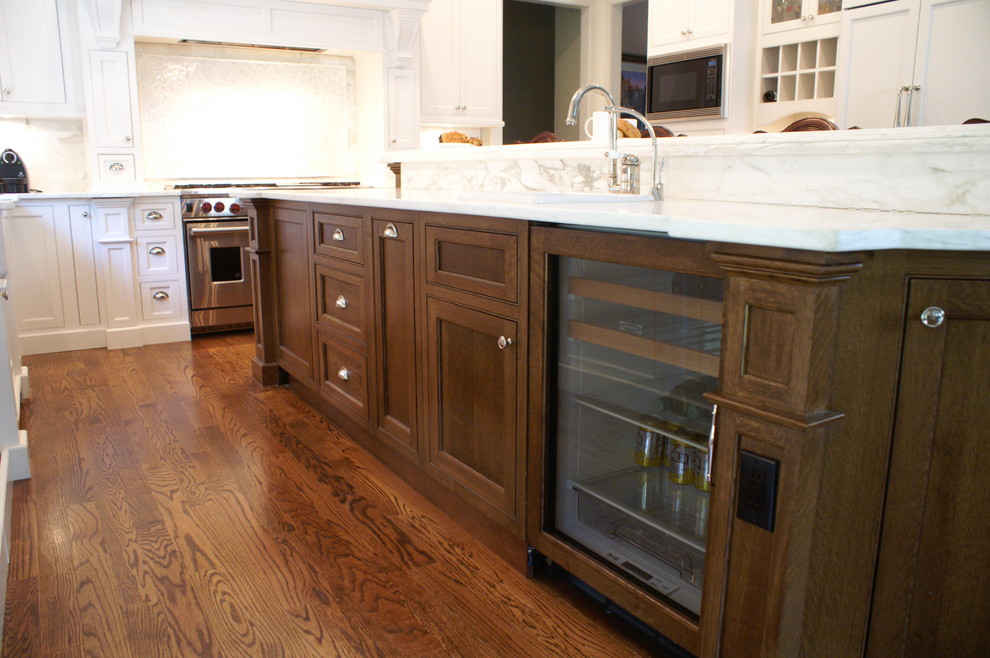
504,342
232,229
116,166
910,101
338,235
711,446
344,374
932,317
160,294
156,251
341,302
154,216
390,231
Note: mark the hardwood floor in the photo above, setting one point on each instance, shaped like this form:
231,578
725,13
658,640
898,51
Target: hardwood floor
177,508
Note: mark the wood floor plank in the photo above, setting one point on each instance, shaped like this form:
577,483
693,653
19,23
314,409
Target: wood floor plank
177,508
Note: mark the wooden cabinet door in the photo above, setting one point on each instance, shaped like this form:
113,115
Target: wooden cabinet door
294,317
476,427
395,307
932,590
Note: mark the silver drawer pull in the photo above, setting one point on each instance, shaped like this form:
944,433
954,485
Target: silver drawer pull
932,317
154,216
160,294
116,166
156,251
504,342
390,231
338,235
344,374
341,302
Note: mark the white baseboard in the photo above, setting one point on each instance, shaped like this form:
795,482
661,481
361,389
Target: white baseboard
173,332
62,341
16,458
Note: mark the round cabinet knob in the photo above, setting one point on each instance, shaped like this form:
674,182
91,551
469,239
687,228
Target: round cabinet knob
344,374
160,294
6,91
127,138
504,342
932,317
156,251
338,235
85,213
341,302
390,231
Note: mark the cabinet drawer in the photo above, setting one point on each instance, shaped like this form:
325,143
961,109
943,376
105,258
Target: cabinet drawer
157,255
343,376
154,216
342,302
161,300
339,236
478,262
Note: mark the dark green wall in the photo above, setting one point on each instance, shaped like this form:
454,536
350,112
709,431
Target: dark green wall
527,70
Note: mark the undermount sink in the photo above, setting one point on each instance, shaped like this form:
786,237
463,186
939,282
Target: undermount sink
553,197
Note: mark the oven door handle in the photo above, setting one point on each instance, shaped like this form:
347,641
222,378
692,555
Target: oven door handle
232,229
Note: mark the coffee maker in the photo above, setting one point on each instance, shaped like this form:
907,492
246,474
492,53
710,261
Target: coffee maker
13,174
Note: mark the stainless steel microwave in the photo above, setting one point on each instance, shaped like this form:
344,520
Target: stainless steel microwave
688,84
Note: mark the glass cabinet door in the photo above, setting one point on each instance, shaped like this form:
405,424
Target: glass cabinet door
783,11
636,349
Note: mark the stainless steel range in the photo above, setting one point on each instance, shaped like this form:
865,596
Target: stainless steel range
219,271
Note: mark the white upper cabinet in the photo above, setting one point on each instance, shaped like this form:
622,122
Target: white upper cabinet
779,15
461,60
32,75
113,124
677,21
899,63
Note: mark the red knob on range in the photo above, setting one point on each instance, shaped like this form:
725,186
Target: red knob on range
218,206
206,207
235,208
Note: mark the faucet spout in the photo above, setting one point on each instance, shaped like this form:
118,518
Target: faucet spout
572,111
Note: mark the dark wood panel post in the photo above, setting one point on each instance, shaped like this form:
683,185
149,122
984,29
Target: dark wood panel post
263,365
781,319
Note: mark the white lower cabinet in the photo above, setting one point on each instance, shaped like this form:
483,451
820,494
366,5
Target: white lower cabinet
85,276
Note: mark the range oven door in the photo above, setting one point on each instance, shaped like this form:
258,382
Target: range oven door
219,271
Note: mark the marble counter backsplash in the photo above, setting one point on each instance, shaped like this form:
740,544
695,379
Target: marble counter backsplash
931,170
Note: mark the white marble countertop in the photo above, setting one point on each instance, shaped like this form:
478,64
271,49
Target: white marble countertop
773,225
817,229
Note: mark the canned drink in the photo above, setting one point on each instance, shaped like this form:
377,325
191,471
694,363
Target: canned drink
680,463
650,491
701,518
649,446
700,464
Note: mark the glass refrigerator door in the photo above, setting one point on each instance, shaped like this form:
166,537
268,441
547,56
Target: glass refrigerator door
636,350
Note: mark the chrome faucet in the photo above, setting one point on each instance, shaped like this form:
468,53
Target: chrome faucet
623,169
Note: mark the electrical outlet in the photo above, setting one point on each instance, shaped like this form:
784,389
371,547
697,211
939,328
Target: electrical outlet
757,493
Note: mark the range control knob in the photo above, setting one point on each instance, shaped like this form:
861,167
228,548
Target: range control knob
206,207
218,206
235,208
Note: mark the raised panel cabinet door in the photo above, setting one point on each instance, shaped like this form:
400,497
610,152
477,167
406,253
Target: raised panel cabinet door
876,59
84,260
710,18
479,24
932,589
30,52
475,429
951,30
667,22
403,109
111,117
294,316
395,311
439,63
34,268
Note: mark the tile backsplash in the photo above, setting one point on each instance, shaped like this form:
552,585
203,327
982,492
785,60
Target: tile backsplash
223,113
53,151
